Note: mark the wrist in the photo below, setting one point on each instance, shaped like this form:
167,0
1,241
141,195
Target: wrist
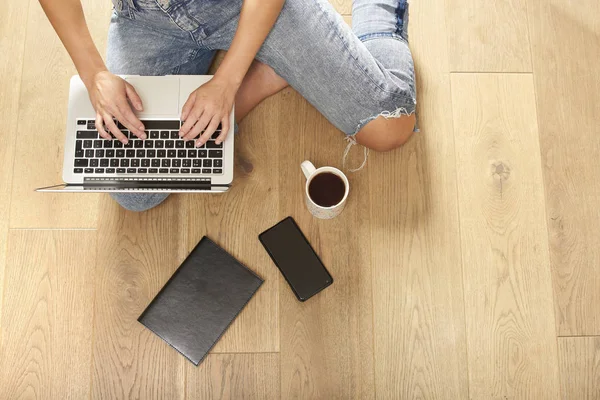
230,85
230,79
89,76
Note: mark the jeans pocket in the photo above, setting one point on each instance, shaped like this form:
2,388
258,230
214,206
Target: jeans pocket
182,12
121,9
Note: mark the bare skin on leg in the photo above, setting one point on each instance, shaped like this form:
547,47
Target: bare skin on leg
381,134
385,134
260,82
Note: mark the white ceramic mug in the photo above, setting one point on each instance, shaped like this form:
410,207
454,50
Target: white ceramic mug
319,211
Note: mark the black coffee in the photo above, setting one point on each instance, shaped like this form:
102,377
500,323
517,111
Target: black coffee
326,189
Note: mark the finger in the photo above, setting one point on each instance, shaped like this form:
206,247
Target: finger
187,107
110,124
190,122
224,130
133,97
210,129
100,127
130,121
199,127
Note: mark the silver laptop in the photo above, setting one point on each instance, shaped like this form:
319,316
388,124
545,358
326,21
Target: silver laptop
162,162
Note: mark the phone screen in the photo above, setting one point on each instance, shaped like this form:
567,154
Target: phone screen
296,259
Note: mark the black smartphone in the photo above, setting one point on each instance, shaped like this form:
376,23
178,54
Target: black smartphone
293,255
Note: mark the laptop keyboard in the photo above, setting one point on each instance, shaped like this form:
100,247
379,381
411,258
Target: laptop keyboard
163,152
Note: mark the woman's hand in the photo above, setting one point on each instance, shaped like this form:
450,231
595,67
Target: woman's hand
206,107
109,95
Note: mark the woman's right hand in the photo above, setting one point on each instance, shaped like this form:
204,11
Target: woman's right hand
111,97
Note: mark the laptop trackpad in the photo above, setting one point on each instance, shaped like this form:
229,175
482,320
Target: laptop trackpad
159,94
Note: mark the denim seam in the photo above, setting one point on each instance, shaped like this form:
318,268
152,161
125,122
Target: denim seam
368,36
334,26
192,56
151,28
167,12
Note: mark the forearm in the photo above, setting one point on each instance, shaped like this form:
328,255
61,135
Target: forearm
257,17
68,20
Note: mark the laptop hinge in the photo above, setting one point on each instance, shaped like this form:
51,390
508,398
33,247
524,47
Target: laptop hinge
150,183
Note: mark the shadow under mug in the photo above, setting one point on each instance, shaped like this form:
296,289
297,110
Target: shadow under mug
310,172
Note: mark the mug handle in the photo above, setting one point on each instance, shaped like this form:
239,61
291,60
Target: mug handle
308,168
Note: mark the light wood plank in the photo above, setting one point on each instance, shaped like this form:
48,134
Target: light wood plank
48,311
507,281
41,130
13,21
326,342
235,219
420,349
579,367
419,333
343,7
488,36
566,53
137,254
235,376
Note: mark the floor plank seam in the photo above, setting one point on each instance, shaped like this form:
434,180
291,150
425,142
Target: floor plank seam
14,161
548,238
462,272
529,41
244,352
577,336
52,229
14,150
537,115
373,344
546,216
93,339
492,72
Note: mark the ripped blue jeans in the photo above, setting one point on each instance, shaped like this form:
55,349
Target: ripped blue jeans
351,75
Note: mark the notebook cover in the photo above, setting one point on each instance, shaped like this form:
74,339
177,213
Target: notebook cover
195,307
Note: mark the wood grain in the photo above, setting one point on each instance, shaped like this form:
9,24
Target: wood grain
565,37
326,342
41,129
393,324
48,311
13,21
507,282
419,334
343,7
235,377
235,219
579,359
488,36
137,254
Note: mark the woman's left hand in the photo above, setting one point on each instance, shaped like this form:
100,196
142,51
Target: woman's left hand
206,108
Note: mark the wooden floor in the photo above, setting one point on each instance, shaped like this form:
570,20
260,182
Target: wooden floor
466,265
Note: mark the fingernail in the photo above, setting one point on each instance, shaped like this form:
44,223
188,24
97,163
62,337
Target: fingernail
217,141
144,136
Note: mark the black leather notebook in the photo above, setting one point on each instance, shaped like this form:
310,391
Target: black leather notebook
200,300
